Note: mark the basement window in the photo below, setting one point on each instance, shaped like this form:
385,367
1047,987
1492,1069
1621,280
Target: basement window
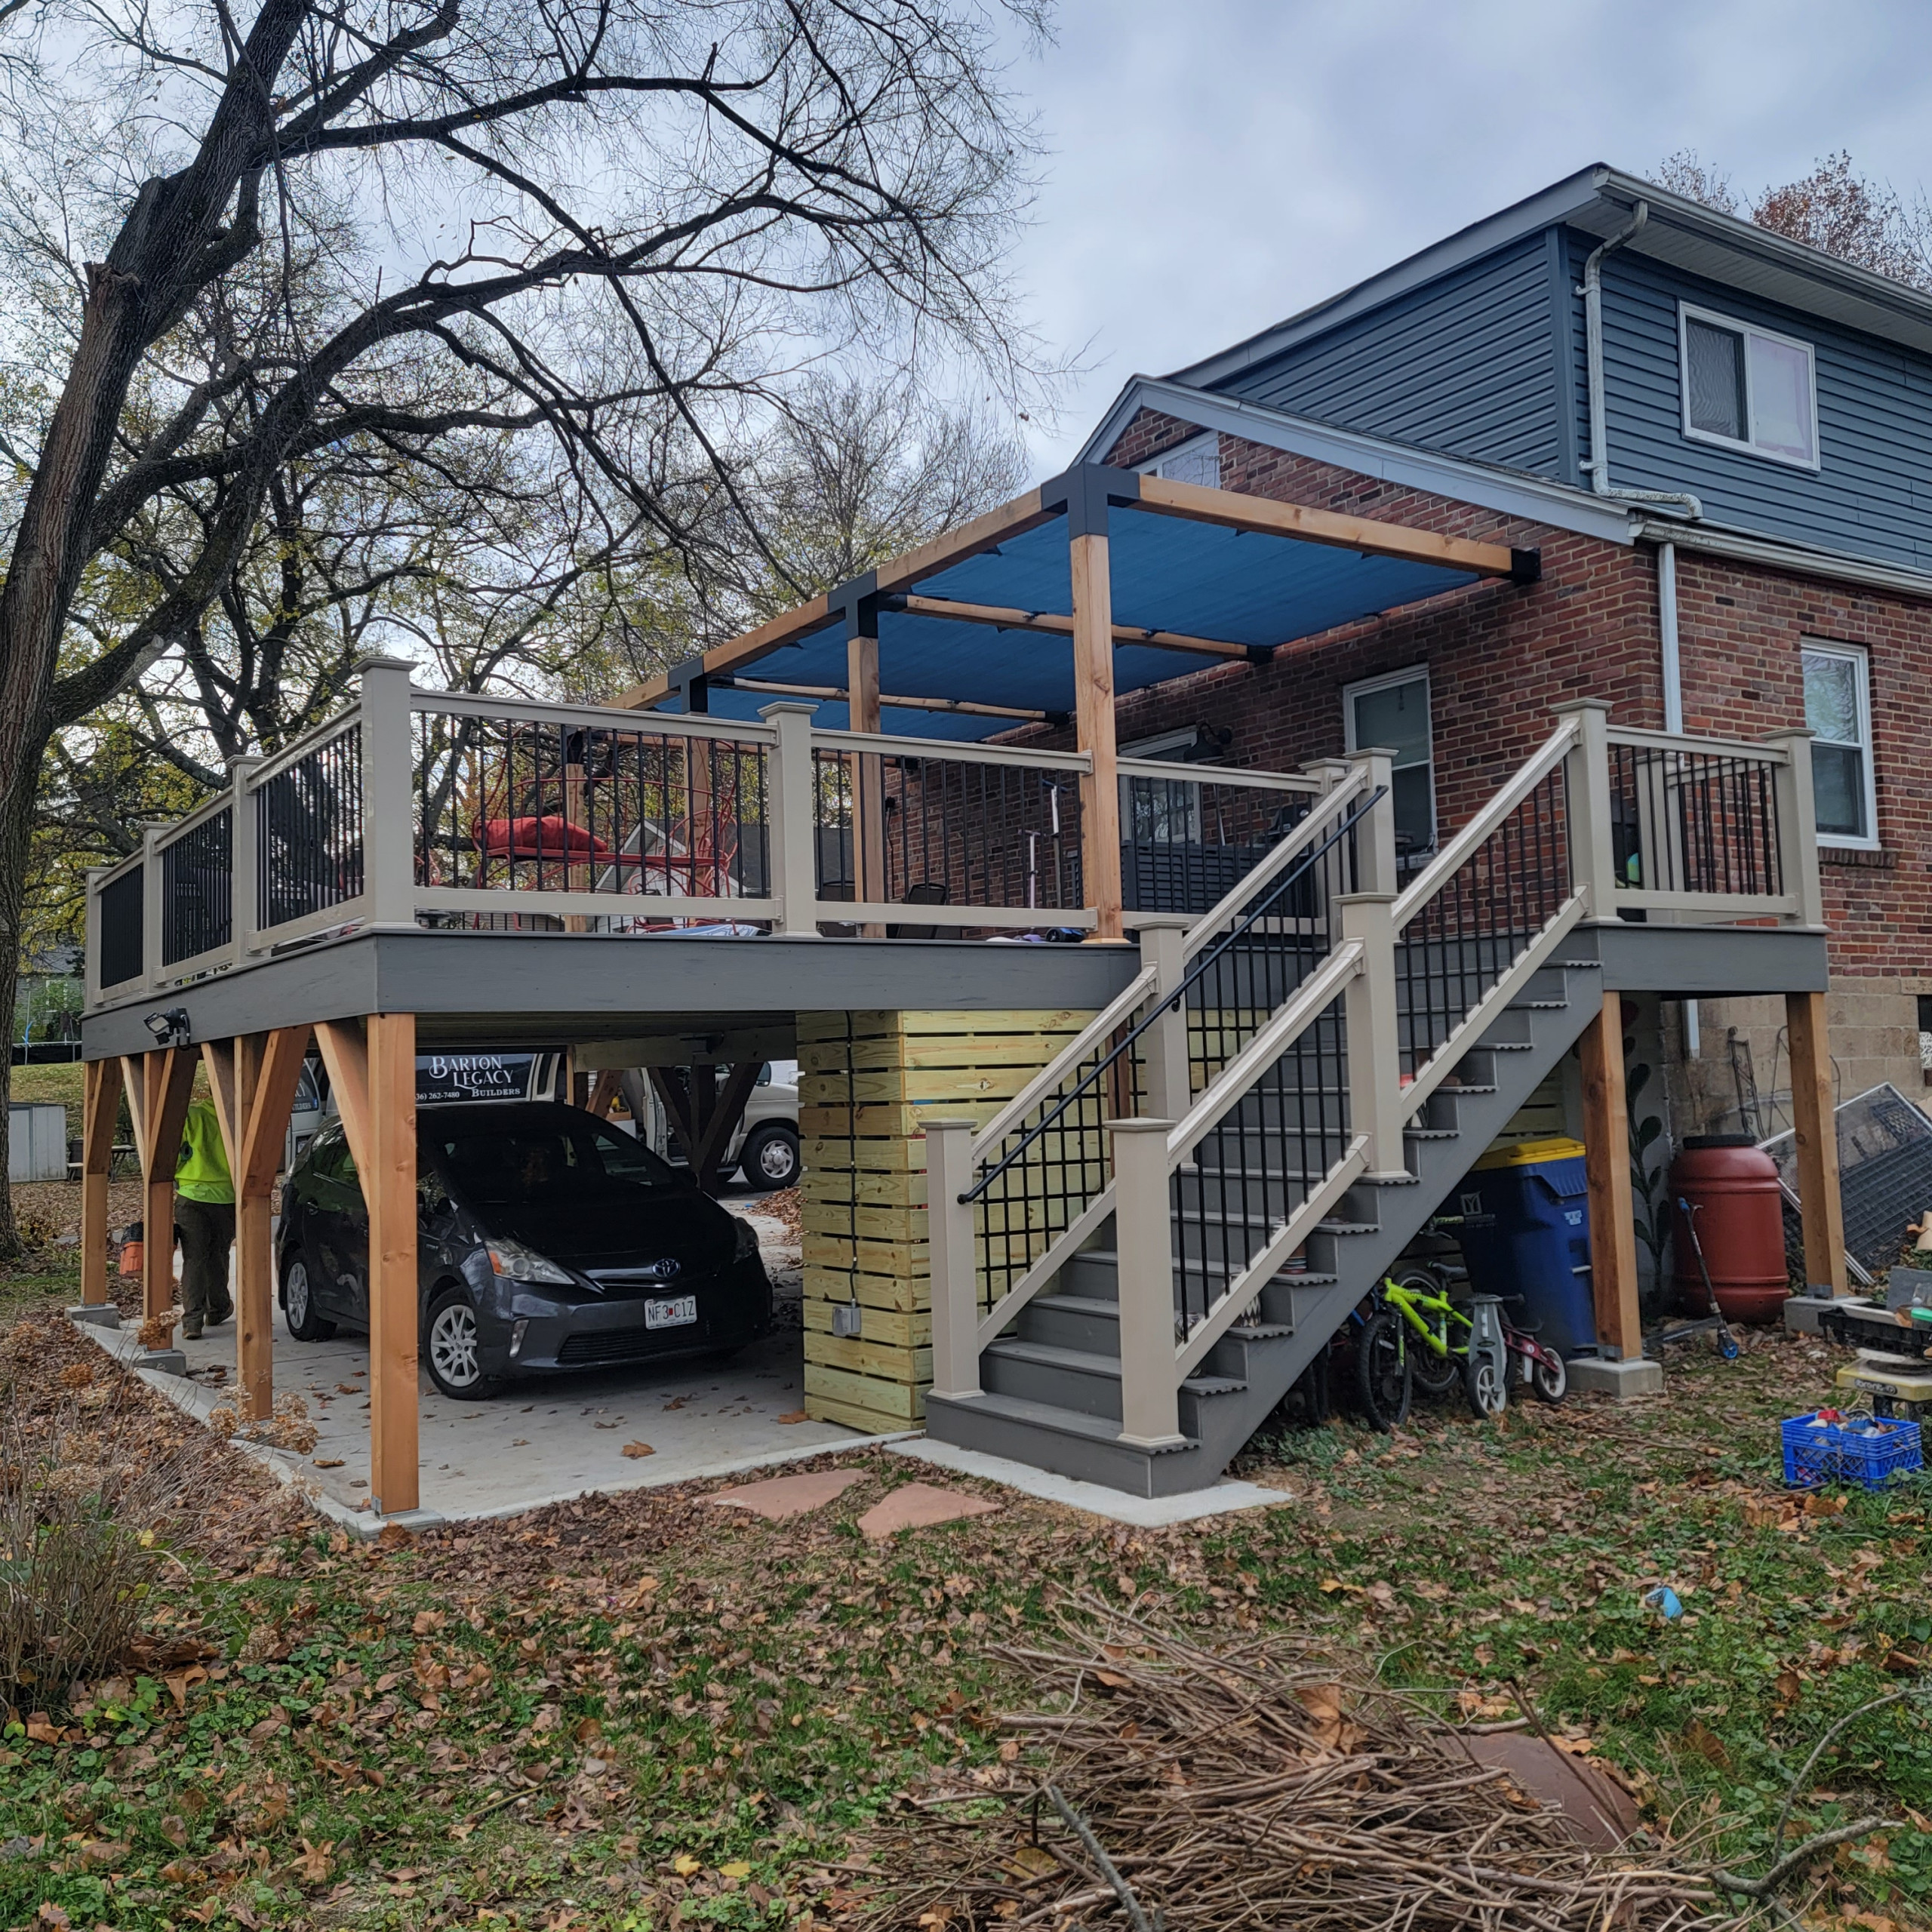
1392,713
1838,709
1197,460
1748,388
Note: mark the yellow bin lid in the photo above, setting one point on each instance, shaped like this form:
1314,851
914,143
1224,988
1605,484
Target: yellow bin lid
1526,1153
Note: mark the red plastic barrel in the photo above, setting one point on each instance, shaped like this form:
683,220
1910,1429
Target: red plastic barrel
1733,1186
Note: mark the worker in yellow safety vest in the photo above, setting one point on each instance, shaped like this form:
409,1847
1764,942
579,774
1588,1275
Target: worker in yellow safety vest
204,1218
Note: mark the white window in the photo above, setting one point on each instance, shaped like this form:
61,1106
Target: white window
1838,707
1392,714
1197,460
1747,389
1164,811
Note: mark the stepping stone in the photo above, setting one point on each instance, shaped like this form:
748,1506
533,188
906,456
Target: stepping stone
916,1505
782,1497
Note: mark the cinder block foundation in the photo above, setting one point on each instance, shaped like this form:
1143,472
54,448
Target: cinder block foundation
1622,1381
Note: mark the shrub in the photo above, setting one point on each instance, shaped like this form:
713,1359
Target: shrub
86,1498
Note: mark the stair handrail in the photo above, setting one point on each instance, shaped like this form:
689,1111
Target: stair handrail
1483,826
1176,1000
1340,825
1225,913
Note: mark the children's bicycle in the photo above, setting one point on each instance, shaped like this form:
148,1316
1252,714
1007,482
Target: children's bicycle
1416,1336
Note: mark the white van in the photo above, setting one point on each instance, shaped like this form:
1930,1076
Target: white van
765,1149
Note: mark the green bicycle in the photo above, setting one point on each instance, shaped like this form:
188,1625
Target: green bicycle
1415,1336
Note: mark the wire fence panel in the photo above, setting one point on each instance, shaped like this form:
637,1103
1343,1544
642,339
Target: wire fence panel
520,805
198,889
308,833
1692,821
1472,930
917,831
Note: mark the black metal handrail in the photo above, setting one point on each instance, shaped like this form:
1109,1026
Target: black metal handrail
1264,907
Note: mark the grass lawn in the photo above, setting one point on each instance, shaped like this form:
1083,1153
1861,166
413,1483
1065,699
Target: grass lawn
645,1712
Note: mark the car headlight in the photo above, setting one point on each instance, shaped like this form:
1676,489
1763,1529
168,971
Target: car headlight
515,1263
747,1241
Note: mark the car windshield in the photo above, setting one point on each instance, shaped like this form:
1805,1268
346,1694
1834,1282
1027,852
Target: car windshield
499,1167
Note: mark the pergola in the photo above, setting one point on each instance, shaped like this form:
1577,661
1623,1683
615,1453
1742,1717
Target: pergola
1045,611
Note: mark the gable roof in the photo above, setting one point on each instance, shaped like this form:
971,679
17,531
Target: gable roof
1600,200
1509,492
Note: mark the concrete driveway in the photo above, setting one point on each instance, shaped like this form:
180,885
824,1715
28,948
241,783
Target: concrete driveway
542,1440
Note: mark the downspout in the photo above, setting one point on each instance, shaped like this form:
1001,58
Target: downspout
1598,463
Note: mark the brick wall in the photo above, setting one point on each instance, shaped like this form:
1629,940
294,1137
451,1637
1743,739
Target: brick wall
1501,658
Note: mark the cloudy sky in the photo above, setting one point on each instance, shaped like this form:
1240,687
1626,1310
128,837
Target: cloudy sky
1217,164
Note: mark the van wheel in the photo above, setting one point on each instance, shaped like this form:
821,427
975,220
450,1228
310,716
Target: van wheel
452,1348
298,1302
771,1158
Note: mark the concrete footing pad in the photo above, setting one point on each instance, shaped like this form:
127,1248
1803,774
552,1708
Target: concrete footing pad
1146,1512
1622,1381
1802,1311
102,1314
162,1362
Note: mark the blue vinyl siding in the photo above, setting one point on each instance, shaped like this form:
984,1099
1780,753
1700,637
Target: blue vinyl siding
1872,493
1466,365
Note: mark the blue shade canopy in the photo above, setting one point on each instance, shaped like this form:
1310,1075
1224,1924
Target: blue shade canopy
1170,573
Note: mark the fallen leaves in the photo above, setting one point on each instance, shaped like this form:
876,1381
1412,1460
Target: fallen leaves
635,1450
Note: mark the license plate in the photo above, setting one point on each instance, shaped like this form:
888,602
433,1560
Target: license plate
678,1312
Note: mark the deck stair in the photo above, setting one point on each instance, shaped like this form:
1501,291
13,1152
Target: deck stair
1051,1384
1289,1090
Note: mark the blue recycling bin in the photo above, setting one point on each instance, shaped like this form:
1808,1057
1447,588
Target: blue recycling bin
1525,1230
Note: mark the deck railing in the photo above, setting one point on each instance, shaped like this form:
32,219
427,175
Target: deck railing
451,810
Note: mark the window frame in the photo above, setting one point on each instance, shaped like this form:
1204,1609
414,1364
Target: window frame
1822,647
1151,467
1688,312
1388,680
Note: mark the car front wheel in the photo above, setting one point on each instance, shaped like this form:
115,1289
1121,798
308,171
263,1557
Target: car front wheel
298,1302
771,1158
452,1347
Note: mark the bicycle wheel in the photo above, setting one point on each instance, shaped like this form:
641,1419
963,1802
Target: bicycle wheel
1434,1375
1486,1383
1382,1379
1549,1379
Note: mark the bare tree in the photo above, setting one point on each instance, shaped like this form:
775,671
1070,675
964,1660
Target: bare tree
605,217
1834,208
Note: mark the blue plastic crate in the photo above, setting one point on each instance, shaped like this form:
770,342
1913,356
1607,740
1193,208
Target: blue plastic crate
1870,1451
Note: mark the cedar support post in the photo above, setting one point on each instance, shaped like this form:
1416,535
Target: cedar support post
1815,1125
1607,1167
102,1090
253,1079
160,1084
860,602
372,1070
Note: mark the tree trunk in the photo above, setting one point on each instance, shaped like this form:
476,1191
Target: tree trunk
16,841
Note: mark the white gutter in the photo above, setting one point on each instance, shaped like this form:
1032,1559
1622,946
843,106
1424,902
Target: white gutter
1773,555
1598,464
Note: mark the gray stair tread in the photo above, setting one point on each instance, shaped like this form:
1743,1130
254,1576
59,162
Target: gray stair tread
1346,1227
1432,1133
1051,1354
1502,1047
1048,1415
1214,1385
1537,1006
1261,1331
1078,1304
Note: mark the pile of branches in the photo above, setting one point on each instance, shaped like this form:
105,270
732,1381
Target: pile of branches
1184,1788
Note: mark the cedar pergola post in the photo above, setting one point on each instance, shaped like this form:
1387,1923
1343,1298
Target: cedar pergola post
372,1072
859,600
1092,584
101,1088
